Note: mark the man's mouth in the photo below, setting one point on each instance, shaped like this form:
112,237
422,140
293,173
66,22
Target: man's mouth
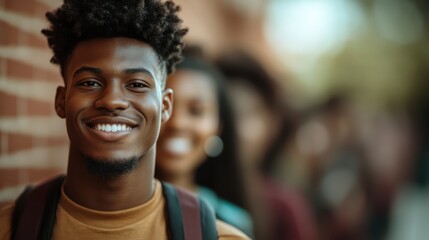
111,129
105,127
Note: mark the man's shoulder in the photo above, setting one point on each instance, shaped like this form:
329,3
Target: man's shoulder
226,231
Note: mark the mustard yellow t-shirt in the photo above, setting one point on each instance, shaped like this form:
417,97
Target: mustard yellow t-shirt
146,221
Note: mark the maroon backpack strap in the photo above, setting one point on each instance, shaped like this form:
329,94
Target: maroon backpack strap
190,214
36,214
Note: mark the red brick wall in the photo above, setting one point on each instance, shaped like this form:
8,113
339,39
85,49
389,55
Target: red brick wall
33,141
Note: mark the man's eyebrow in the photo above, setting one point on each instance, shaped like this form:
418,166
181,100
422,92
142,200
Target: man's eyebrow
88,69
98,71
139,70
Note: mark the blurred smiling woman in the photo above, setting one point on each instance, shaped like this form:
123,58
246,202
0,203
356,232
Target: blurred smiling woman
196,148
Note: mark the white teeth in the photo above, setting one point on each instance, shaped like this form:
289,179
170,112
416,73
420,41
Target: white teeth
112,127
178,145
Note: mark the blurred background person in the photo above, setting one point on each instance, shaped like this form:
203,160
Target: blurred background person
410,209
262,117
196,148
324,159
256,102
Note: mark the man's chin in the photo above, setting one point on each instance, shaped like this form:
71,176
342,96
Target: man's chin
109,168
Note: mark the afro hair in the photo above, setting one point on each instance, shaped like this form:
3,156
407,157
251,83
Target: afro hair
151,21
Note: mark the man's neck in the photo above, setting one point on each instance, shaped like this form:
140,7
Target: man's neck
110,194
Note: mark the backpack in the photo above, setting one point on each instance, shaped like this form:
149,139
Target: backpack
34,215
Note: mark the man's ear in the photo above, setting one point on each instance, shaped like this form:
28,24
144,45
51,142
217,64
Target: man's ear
60,99
167,104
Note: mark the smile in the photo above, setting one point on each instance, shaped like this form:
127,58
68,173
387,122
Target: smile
111,131
112,127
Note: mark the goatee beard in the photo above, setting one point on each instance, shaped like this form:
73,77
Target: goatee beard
110,168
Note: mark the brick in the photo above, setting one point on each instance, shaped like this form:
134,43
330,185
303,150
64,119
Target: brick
10,34
3,68
41,9
3,143
8,104
17,142
17,69
45,75
3,31
17,176
13,36
27,7
40,108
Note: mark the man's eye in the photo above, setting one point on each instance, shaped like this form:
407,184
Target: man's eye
90,84
137,85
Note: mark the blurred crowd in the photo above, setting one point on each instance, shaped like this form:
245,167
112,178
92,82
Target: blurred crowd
350,162
332,170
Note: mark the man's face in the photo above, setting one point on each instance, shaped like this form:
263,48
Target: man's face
113,100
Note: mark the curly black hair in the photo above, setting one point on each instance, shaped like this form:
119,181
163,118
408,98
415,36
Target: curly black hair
151,21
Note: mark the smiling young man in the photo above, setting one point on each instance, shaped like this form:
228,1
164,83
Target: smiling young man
114,58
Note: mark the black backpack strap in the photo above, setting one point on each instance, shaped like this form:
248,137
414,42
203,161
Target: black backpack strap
190,214
208,221
17,211
188,217
174,223
35,211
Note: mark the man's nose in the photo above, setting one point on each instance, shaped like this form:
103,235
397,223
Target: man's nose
112,98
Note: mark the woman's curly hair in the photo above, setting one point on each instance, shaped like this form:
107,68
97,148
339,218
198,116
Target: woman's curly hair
151,21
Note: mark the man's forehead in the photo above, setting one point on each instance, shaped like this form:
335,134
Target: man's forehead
118,53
